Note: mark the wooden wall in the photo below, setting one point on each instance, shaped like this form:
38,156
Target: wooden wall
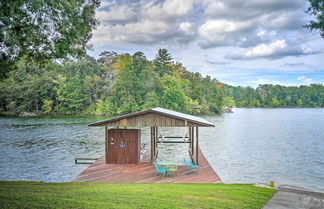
153,120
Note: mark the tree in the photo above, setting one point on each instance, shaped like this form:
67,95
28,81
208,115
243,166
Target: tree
71,95
275,102
47,106
316,8
173,97
42,30
268,95
128,93
26,91
84,86
162,62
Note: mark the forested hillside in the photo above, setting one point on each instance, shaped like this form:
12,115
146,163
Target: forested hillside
116,84
112,85
268,95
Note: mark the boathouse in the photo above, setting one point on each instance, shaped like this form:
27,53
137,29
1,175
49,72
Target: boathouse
122,161
123,145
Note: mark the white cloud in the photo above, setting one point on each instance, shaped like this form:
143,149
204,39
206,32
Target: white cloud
218,23
274,50
307,50
261,33
117,14
213,7
266,49
169,9
305,79
252,34
271,15
243,10
144,22
146,31
186,27
288,20
104,4
221,32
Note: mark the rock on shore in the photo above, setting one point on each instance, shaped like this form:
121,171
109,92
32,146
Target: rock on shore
227,110
27,114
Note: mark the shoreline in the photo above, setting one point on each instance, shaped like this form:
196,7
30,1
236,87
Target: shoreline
40,114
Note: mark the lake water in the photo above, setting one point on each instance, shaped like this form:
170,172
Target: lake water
249,145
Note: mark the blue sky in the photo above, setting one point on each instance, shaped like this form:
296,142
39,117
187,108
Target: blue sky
236,41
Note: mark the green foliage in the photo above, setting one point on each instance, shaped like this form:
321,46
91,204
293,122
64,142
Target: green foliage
126,95
229,101
163,62
112,85
43,30
213,94
71,95
277,96
193,106
275,102
152,100
107,195
173,96
27,87
47,106
100,108
116,84
316,8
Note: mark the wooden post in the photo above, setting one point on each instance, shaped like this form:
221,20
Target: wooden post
193,141
190,139
155,142
106,144
197,146
154,134
152,143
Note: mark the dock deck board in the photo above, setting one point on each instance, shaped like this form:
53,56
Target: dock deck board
145,173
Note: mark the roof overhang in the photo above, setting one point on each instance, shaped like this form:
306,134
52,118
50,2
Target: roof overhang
155,117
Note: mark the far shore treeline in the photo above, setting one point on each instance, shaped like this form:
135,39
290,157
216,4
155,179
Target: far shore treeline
267,95
116,84
112,85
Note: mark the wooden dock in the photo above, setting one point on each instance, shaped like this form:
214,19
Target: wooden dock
145,173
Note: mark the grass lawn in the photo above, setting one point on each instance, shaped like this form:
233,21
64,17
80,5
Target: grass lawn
108,195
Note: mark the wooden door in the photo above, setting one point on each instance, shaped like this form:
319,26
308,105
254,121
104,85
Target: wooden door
123,146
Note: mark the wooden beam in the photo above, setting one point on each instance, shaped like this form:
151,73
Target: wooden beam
154,147
190,145
193,140
191,148
152,143
155,142
106,143
197,145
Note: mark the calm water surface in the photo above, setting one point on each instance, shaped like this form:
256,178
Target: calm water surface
250,145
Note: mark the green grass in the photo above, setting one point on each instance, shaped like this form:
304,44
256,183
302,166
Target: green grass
107,195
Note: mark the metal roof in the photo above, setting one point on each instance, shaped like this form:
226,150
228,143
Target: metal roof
181,115
158,110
